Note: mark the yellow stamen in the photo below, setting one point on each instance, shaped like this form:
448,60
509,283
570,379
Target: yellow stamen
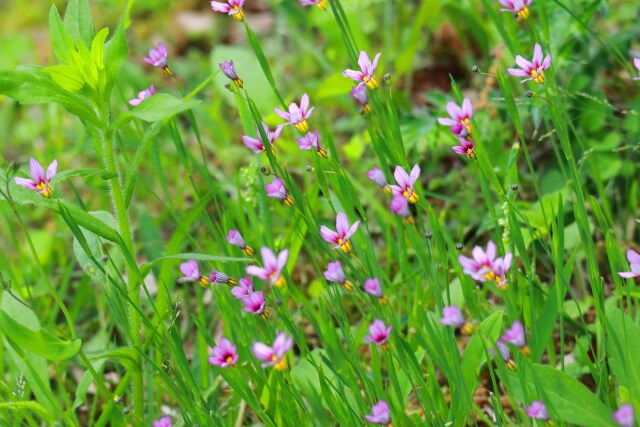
525,351
501,283
348,286
511,365
411,197
408,220
322,5
523,14
229,359
345,246
46,187
322,153
490,276
204,281
538,77
239,15
383,300
288,201
281,365
280,282
302,126
366,108
466,123
167,71
238,82
384,346
471,153
371,82
264,315
387,189
467,328
247,251
232,282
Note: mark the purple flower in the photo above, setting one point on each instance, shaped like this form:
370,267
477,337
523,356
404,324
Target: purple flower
298,116
400,206
40,180
163,422
224,354
372,287
191,273
367,68
220,277
230,71
335,274
147,93
254,303
452,316
256,145
311,140
499,273
322,4
378,333
624,416
533,70
636,63
406,182
632,256
376,175
272,270
277,190
245,287
481,263
158,58
519,7
274,355
379,414
232,7
359,93
538,410
460,117
514,335
503,348
235,238
466,148
342,235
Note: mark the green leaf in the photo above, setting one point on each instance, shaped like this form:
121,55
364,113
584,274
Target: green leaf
161,106
61,41
116,50
622,347
40,342
83,173
78,21
67,76
145,268
97,48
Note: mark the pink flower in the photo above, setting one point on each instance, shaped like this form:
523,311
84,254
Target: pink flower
359,93
274,355
224,354
230,71
636,63
298,116
514,335
380,414
232,7
245,287
406,182
481,263
460,117
235,238
376,175
273,266
499,273
311,140
254,303
452,316
632,256
220,277
400,206
40,180
378,333
147,93
519,7
372,287
277,190
503,349
466,147
342,235
625,416
533,70
256,145
158,58
538,410
335,274
191,273
163,422
322,4
367,68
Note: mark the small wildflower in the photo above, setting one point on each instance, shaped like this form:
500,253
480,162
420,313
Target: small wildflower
367,68
334,273
235,238
274,355
406,182
163,422
533,70
40,180
311,140
459,116
372,287
142,95
322,4
220,277
376,175
518,7
245,287
625,416
538,411
452,316
298,116
158,58
505,354
359,93
400,206
230,71
379,333
232,7
515,335
636,63
272,270
499,273
342,235
191,273
277,190
632,256
466,148
258,146
380,414
481,262
254,303
224,354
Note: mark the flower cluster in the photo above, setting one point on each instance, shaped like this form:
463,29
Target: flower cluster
485,267
460,125
159,58
366,79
